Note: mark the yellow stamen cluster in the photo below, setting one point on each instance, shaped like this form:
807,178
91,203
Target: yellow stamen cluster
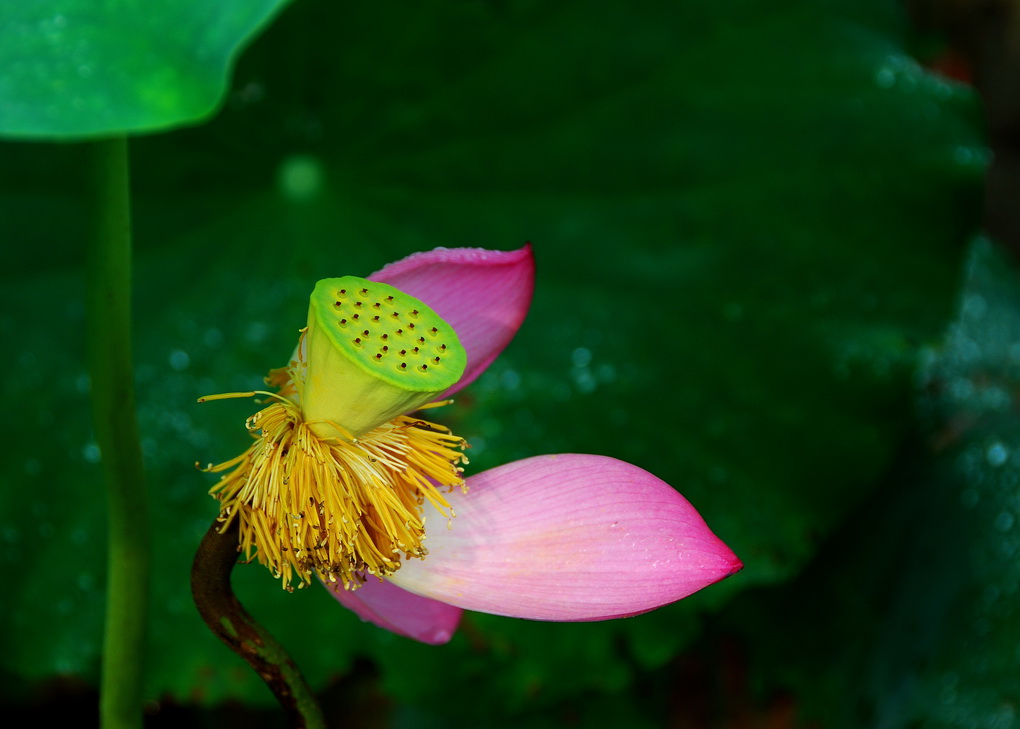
337,508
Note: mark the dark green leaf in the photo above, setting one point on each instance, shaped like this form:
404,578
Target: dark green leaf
748,221
909,618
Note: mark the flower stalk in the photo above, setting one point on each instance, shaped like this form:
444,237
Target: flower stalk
231,623
108,300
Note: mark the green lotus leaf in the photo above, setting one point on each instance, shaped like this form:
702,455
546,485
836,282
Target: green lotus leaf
76,69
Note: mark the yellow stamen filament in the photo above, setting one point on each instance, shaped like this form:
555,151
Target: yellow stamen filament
336,508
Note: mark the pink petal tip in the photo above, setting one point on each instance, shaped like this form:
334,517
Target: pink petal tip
567,537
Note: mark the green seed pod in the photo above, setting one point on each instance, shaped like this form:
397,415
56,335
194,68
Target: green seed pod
373,353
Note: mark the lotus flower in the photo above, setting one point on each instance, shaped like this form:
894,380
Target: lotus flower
341,480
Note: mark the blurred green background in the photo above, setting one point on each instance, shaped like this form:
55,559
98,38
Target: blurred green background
761,276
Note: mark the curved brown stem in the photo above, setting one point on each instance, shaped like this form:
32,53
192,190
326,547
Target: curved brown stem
227,618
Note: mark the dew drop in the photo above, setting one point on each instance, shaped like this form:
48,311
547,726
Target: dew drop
1004,521
581,357
585,381
256,332
300,178
961,388
90,452
213,338
963,155
997,454
179,360
10,533
510,380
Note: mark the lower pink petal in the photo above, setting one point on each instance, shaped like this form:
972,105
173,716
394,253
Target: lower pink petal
399,611
484,295
567,537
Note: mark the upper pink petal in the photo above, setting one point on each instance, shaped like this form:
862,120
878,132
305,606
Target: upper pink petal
567,537
399,611
484,295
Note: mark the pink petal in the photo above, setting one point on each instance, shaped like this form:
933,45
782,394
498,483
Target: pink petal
484,295
567,537
399,611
